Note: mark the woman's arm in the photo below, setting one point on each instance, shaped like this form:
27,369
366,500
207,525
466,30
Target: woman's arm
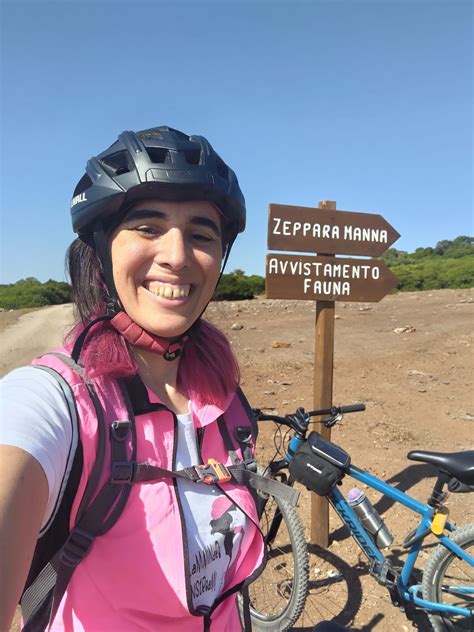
23,499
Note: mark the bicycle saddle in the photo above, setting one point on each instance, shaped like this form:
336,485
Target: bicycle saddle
459,464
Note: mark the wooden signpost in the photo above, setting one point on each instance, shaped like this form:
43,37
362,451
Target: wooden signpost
299,277
325,278
303,229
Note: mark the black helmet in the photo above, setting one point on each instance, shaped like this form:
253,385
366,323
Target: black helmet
158,163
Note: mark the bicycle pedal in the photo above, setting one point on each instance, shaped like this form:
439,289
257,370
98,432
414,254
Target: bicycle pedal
385,574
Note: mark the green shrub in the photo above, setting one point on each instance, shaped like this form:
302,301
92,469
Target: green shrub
450,264
236,286
435,274
32,293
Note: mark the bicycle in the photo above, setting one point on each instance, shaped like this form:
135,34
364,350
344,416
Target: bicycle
446,590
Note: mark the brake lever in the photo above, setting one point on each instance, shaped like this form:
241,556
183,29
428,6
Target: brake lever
332,421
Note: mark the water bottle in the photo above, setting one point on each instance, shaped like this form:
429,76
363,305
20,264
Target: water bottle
369,517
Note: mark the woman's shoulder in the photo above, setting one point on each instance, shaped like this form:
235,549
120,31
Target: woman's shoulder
31,379
32,399
35,417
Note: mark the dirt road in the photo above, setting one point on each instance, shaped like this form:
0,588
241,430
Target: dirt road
32,334
409,358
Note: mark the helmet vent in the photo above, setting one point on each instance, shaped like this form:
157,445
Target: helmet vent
193,156
117,164
158,155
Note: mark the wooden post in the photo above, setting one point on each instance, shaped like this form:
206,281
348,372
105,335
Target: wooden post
323,382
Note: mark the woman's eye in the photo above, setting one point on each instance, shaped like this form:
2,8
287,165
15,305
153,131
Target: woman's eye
151,231
146,230
202,238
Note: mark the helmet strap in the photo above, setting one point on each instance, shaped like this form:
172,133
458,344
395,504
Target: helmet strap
79,342
226,256
102,249
169,348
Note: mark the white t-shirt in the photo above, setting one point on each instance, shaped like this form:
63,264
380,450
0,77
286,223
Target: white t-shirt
215,526
35,416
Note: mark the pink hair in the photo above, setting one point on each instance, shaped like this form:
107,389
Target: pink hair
208,368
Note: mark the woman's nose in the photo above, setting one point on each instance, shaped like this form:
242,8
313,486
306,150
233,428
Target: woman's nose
173,250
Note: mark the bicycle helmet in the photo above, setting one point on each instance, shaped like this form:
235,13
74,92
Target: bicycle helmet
161,163
158,163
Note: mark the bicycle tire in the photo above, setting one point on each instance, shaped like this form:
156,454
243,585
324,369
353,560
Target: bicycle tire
443,566
278,595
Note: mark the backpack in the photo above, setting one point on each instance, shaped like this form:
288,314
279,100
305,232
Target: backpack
60,550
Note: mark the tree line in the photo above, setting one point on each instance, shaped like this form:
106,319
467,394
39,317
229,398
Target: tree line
450,264
30,292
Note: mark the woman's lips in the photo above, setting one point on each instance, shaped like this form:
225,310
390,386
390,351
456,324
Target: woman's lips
171,291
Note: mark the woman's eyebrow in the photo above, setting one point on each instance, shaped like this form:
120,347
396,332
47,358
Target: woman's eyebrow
200,220
144,214
206,221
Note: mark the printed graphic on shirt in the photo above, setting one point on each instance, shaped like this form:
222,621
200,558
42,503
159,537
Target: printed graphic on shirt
216,533
215,528
225,521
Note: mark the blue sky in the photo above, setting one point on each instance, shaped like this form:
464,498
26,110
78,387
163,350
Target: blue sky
368,103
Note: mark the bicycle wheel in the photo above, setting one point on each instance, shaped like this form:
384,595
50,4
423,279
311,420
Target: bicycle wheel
278,595
450,580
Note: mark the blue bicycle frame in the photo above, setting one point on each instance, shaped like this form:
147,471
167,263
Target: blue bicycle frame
408,592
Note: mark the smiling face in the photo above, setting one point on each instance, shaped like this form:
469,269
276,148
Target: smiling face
166,259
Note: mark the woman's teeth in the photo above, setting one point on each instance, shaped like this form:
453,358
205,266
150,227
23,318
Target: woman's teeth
169,291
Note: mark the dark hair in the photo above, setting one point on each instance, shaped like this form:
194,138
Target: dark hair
208,369
85,272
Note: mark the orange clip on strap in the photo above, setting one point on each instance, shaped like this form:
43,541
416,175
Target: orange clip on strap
214,472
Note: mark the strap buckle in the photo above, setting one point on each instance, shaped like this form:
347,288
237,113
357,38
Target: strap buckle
122,472
76,547
213,472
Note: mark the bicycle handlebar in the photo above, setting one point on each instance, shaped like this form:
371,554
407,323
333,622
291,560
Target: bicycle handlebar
299,420
351,408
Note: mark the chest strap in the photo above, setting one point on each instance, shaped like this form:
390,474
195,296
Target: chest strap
213,472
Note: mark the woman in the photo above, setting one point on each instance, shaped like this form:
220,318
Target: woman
156,214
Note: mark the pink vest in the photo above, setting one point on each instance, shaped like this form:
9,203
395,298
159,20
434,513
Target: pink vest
136,576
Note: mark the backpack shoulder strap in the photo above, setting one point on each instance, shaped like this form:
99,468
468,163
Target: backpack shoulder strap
250,413
98,512
229,444
76,372
56,532
244,435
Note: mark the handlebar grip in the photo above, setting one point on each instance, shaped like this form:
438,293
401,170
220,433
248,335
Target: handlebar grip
352,408
263,417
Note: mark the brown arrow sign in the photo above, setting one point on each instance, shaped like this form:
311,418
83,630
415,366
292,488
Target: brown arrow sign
301,228
301,277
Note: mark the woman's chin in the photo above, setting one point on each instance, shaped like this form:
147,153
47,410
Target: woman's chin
165,330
